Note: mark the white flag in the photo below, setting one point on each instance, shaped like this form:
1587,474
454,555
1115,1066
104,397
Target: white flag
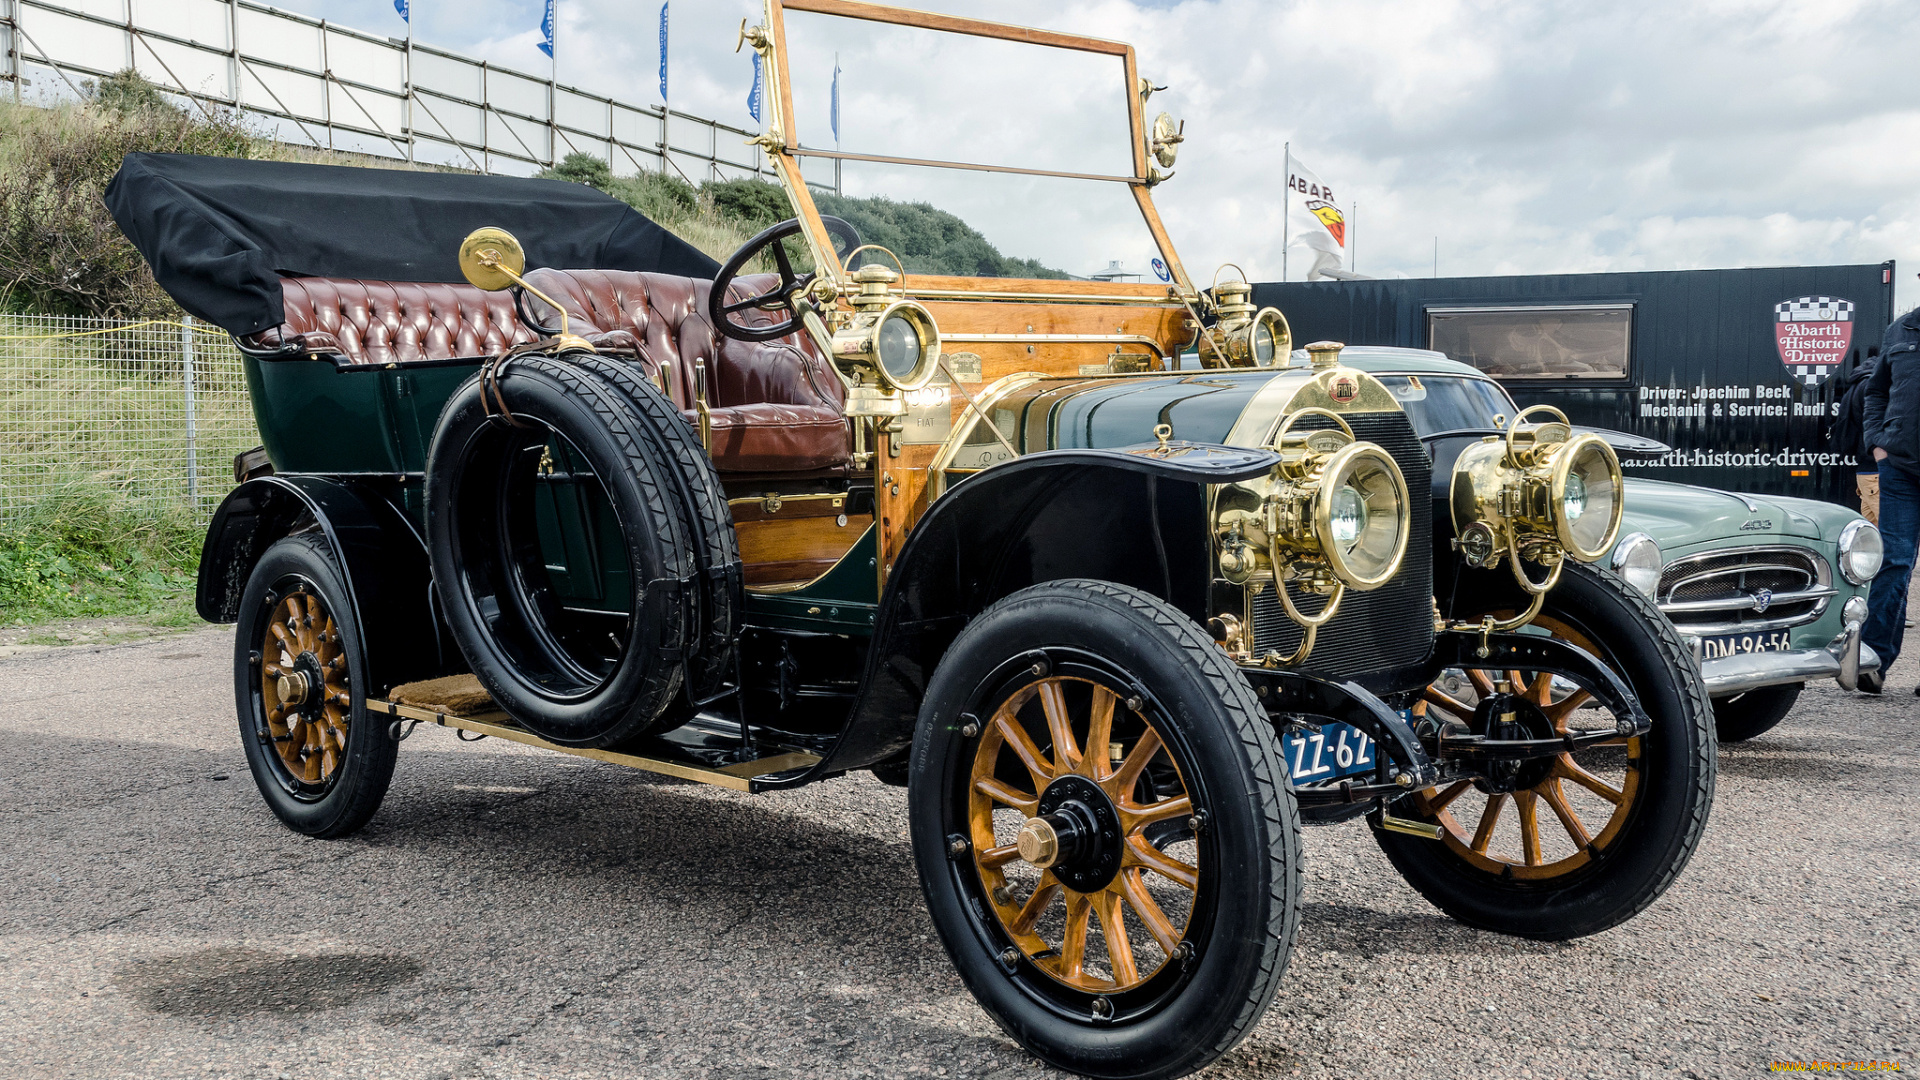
1315,219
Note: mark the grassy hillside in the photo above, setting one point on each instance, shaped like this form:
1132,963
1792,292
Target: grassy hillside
718,215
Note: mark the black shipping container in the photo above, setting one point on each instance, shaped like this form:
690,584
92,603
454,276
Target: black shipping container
1740,371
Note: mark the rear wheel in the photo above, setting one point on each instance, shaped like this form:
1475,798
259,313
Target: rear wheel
1754,713
321,764
1103,829
1580,842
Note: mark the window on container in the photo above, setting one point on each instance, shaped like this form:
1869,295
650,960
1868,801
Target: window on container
1572,342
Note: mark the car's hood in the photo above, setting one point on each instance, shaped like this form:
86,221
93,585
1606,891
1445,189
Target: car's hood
1681,515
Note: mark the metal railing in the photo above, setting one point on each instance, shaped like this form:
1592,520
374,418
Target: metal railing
153,410
345,89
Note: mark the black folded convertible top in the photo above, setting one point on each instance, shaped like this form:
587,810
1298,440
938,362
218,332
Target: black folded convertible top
221,232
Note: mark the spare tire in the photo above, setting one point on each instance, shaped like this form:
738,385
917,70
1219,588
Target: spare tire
719,588
587,674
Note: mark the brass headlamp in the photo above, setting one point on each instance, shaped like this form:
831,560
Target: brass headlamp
885,347
1542,494
1244,336
1333,515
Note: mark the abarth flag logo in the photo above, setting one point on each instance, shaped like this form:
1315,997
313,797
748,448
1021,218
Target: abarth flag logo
1813,334
1331,217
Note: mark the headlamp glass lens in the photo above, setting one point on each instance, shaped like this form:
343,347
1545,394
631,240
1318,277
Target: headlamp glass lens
1575,502
1589,499
1349,516
1263,343
899,347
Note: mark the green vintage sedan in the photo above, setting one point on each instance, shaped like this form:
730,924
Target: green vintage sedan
1769,591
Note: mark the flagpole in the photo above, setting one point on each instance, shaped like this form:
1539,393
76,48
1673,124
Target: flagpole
1286,205
553,91
408,63
836,123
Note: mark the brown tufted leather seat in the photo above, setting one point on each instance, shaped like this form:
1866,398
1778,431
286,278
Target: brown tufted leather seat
776,406
387,322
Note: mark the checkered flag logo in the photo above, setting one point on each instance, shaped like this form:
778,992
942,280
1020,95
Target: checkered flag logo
1813,334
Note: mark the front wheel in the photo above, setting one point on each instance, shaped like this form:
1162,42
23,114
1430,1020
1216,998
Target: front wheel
1571,845
1753,713
1104,831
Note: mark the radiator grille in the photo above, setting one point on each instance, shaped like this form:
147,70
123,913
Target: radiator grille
1391,626
1736,579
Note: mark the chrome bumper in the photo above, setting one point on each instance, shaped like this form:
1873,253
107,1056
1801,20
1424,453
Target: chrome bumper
1842,660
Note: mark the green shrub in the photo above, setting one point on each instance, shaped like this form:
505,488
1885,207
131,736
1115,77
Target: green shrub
581,167
85,553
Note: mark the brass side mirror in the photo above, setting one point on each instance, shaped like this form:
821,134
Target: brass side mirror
492,259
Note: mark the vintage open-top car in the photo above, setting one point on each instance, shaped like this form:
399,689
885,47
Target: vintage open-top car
952,516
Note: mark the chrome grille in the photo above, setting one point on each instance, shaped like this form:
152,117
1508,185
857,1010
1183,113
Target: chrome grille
1741,590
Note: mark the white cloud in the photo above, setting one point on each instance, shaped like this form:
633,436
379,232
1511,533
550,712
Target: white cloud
1530,137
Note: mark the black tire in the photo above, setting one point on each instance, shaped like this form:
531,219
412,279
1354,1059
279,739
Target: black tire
571,677
1659,818
1209,989
300,572
705,519
1754,713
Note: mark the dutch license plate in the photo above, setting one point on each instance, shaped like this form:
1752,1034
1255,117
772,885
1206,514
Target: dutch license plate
1336,750
1738,644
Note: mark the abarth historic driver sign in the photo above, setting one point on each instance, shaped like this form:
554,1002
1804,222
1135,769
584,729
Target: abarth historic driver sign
1813,334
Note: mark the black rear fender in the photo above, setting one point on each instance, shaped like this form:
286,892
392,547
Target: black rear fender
384,561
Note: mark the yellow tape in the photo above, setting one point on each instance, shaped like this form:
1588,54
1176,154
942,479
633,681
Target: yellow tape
108,330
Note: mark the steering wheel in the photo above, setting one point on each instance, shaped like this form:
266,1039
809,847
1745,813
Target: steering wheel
780,297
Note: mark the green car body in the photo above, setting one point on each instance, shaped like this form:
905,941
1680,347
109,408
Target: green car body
1757,584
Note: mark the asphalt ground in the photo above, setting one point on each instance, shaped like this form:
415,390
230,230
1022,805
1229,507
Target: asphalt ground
514,913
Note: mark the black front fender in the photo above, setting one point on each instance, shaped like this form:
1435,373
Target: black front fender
1132,516
382,559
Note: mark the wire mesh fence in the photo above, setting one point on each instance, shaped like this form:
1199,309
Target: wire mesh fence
151,411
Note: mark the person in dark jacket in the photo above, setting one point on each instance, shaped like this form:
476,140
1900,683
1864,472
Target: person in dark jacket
1849,436
1893,435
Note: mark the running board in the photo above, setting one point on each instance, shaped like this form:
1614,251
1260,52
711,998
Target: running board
738,776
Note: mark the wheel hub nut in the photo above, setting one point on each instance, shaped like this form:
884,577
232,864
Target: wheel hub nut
1038,842
293,688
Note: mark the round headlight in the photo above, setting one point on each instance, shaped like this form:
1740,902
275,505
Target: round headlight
1272,341
1361,516
1636,558
899,348
903,346
1860,551
1585,495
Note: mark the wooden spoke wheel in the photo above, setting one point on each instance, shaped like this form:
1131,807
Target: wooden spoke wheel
320,762
1573,844
1553,816
1103,829
305,686
1085,848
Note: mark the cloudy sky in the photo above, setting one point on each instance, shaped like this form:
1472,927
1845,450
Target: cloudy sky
1527,137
